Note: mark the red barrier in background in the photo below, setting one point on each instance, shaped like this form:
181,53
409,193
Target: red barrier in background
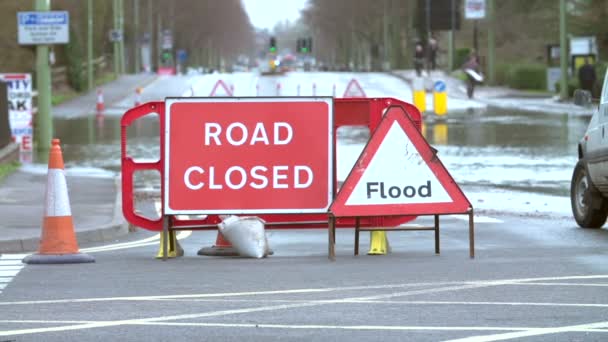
347,112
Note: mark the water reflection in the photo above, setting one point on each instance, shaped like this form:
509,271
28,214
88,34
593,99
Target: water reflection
497,148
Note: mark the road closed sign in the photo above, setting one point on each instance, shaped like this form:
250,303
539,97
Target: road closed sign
248,155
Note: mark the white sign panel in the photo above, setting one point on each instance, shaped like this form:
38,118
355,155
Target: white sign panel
583,46
415,183
19,92
43,28
475,9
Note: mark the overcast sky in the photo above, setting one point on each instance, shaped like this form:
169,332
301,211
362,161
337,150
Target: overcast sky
267,13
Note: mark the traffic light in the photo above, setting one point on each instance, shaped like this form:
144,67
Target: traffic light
304,45
273,44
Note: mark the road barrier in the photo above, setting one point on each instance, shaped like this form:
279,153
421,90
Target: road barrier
100,106
419,94
186,185
138,96
58,243
440,98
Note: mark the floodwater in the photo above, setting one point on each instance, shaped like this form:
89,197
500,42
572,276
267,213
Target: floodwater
485,150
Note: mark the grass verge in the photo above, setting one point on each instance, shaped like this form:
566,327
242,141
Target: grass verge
7,169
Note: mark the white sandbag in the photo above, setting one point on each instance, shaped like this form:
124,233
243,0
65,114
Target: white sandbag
246,234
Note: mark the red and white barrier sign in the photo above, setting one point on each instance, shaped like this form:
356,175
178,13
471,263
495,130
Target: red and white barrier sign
219,86
354,89
248,155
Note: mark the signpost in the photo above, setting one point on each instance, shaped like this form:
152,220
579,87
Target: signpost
51,27
19,91
43,28
248,155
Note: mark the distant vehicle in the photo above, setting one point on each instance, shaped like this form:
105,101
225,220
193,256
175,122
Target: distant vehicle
589,187
288,63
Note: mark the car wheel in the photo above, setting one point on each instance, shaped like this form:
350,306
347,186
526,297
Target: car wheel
588,205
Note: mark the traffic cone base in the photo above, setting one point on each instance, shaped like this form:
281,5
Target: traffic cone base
221,248
378,243
76,258
174,250
58,243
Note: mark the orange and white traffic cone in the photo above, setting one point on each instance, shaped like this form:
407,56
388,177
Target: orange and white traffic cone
100,104
137,96
58,243
221,248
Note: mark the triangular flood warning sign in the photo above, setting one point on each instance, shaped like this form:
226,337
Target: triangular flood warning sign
221,89
398,173
354,89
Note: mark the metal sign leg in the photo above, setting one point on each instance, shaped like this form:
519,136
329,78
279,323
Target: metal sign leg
166,239
471,235
332,238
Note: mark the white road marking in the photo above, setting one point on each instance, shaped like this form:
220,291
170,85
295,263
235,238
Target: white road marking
566,284
394,302
478,219
8,273
152,240
311,303
533,332
12,256
10,262
516,281
10,265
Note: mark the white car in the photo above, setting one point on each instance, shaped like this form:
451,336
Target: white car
589,187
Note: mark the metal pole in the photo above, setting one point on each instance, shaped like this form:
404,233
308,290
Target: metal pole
44,122
159,35
116,47
121,25
563,51
451,37
386,65
428,31
475,46
150,29
90,44
136,47
491,44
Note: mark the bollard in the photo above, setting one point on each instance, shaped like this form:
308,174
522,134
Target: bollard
137,96
278,89
298,90
419,94
334,90
440,98
257,89
100,104
314,89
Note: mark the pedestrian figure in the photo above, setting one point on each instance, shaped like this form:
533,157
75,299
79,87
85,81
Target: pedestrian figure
419,58
471,69
433,47
586,76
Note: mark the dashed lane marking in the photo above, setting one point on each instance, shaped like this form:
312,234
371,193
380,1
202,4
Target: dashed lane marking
10,265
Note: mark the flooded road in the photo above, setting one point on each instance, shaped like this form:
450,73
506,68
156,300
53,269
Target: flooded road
489,150
502,158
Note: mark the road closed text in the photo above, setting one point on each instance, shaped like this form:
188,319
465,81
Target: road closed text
237,177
